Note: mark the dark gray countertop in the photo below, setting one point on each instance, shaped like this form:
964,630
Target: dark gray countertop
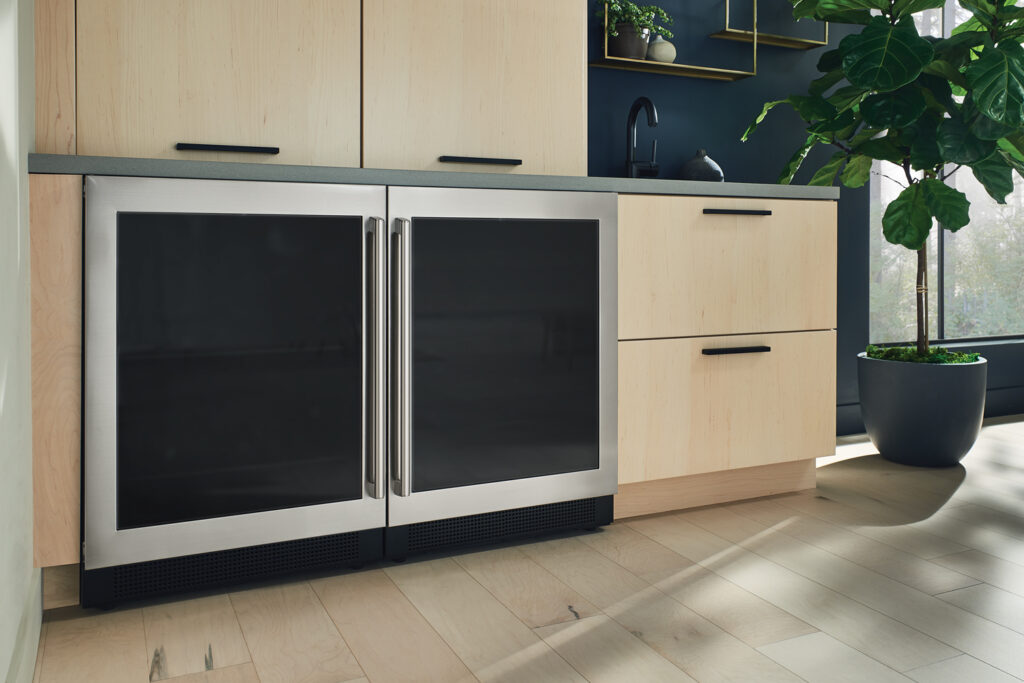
177,168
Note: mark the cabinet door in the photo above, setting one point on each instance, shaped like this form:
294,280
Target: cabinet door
683,411
475,78
265,73
692,266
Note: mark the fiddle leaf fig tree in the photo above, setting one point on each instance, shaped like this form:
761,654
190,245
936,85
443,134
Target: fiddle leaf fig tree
933,106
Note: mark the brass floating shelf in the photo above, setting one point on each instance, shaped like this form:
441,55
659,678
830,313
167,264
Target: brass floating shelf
757,37
689,70
650,66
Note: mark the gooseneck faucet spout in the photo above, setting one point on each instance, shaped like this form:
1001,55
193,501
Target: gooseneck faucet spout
634,168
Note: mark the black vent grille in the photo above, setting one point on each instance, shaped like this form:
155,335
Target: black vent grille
502,525
209,570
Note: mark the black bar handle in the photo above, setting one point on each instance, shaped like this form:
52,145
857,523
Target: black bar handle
197,147
481,160
736,349
739,212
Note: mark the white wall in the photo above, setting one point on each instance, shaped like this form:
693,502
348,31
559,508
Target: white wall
20,609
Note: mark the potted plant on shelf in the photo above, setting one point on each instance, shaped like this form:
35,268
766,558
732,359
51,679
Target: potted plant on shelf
630,26
934,107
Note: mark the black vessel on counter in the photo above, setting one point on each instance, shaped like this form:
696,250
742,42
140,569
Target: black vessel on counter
702,167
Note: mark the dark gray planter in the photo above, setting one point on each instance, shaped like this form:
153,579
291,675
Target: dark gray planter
628,43
922,414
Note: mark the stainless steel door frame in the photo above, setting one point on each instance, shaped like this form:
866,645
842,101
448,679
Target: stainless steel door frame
408,203
104,544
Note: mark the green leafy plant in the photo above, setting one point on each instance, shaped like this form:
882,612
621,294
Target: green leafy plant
936,354
650,17
933,106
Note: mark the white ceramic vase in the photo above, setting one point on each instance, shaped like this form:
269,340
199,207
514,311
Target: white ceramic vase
660,50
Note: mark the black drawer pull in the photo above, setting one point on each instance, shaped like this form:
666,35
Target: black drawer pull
739,212
736,349
197,147
481,160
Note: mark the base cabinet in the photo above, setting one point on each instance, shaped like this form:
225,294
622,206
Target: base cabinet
696,405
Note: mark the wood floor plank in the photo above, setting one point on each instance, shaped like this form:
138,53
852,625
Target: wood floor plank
960,669
820,658
889,641
107,647
990,602
1005,523
530,591
635,552
902,566
691,642
967,632
598,579
490,639
387,634
291,638
874,526
240,673
604,652
192,636
753,620
992,570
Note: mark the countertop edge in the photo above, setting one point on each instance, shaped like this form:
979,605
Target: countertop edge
222,170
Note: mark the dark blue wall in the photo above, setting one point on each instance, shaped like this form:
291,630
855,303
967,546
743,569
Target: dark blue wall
695,113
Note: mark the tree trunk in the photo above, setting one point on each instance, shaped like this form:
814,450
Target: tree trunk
922,300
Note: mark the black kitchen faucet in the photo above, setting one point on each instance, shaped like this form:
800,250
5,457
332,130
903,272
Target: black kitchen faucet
641,169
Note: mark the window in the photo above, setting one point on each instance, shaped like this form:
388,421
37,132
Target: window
976,276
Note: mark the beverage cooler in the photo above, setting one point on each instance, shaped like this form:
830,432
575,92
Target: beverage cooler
283,377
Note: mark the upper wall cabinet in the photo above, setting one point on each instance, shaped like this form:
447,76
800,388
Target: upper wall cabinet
472,79
251,73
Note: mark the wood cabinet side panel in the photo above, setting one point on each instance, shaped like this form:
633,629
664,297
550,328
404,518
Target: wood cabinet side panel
272,73
55,224
683,273
480,79
55,76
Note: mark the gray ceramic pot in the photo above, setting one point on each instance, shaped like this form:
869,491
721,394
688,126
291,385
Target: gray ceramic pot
628,43
922,414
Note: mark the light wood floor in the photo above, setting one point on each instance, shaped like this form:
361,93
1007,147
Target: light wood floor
884,573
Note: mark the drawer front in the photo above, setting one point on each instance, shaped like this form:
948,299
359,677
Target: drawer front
683,411
684,272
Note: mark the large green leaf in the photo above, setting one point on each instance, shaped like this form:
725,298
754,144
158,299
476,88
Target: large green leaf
820,85
812,108
997,79
835,125
894,109
907,220
903,7
958,145
924,144
826,175
1014,162
846,97
949,206
793,165
768,106
985,128
940,67
995,175
830,61
881,148
857,171
883,56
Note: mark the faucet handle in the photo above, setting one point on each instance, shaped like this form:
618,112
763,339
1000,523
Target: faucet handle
654,150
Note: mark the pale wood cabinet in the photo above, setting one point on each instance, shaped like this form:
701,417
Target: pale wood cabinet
475,78
684,272
255,73
55,225
703,275
682,411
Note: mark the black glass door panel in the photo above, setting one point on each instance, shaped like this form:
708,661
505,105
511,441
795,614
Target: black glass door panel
239,363
505,368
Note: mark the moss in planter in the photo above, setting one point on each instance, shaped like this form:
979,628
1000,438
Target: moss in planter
909,354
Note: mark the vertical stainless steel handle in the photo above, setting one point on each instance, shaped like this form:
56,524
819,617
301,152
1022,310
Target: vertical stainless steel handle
378,304
401,350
